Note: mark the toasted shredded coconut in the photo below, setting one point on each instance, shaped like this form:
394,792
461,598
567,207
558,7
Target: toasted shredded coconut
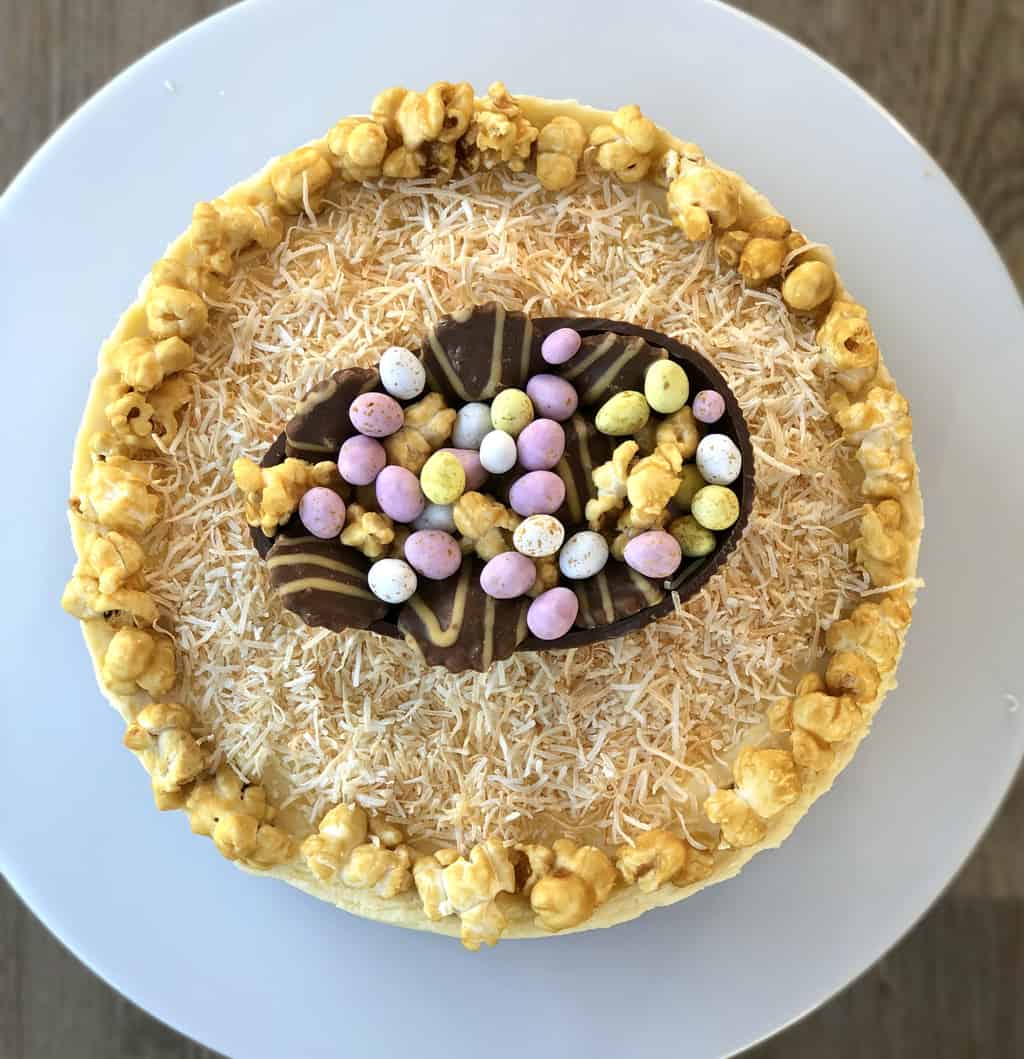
597,742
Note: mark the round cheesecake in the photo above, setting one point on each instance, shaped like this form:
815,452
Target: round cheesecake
552,786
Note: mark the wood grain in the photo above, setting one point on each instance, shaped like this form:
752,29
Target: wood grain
953,72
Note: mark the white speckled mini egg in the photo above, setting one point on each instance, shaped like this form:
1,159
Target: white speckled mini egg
392,580
719,460
436,517
538,536
584,554
472,425
401,373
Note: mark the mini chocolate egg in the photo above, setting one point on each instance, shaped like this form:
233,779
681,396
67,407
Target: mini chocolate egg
540,445
708,406
537,493
552,613
715,507
470,460
322,512
399,495
718,459
538,536
472,425
560,346
666,387
508,576
392,580
443,479
401,373
690,480
653,554
553,397
583,555
511,410
433,554
376,415
361,459
498,452
624,414
436,517
694,539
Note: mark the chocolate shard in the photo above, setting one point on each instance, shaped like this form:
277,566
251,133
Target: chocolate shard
321,423
609,363
616,593
585,449
472,354
323,581
455,624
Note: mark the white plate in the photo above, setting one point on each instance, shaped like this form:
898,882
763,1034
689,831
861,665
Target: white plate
253,968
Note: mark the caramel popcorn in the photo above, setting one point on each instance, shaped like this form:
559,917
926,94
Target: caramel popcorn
369,532
172,312
486,524
141,418
428,425
299,176
879,425
534,863
809,285
499,132
143,364
848,346
882,547
161,739
359,147
580,881
442,112
627,146
559,149
341,831
873,630
547,575
423,127
657,857
237,817
679,429
272,494
221,229
703,199
766,782
815,720
651,484
198,278
467,887
610,479
759,252
385,871
108,581
117,495
136,658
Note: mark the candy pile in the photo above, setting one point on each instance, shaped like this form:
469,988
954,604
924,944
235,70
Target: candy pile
601,462
522,429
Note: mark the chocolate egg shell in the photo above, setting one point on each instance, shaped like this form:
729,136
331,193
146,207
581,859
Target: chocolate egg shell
324,582
455,624
471,355
617,592
320,422
609,363
622,602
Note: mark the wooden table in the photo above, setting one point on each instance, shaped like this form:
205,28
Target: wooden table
953,72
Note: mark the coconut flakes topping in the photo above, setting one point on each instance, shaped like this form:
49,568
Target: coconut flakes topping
595,742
